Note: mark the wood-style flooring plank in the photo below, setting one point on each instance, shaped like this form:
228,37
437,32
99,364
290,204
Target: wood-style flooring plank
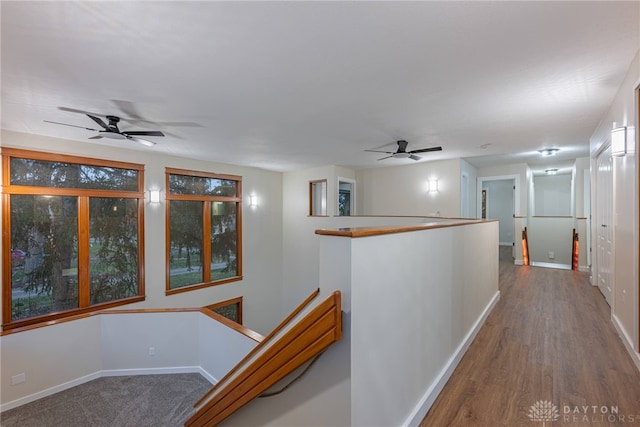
549,338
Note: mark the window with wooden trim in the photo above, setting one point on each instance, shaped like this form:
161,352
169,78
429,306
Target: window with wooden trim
72,235
204,229
231,309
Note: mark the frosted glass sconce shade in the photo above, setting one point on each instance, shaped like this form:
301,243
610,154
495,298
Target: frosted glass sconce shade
154,196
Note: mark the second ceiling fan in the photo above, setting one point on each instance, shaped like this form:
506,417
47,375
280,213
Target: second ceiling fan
402,153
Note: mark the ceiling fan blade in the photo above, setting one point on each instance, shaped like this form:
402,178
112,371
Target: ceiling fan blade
141,141
96,137
385,158
425,150
144,133
73,126
75,110
132,116
412,157
98,120
377,151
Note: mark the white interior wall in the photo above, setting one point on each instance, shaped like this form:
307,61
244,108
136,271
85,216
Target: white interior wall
472,174
127,338
553,195
402,190
624,112
413,306
49,357
550,240
261,286
62,355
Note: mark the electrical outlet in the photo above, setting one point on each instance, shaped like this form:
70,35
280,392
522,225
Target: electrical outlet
552,255
152,351
17,379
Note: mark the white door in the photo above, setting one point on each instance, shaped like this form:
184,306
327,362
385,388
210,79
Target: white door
604,224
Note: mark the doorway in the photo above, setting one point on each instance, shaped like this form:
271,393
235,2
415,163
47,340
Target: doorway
499,198
604,223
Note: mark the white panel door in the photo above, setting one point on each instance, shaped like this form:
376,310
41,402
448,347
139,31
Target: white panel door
604,224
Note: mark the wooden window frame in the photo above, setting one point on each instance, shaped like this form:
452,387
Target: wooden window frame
206,229
83,196
237,301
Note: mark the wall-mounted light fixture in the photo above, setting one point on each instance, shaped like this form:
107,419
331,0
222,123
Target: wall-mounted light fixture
253,200
154,196
619,141
551,171
549,152
433,186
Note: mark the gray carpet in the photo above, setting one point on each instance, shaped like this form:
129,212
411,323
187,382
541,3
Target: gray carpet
132,401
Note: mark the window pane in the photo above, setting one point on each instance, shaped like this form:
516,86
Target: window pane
185,230
44,255
224,237
113,261
230,311
197,185
41,173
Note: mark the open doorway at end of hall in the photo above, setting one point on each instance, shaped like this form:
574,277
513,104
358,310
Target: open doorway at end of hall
498,201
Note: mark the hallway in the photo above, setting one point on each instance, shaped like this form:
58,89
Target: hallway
547,352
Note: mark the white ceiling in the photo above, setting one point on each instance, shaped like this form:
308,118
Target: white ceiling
290,85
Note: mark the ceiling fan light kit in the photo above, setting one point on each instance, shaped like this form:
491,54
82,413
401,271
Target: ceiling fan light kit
402,153
110,130
548,152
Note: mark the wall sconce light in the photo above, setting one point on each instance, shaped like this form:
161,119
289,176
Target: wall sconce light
253,200
548,152
433,186
551,171
154,196
619,141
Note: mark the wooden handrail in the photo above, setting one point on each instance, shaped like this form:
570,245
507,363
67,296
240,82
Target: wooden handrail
272,360
354,232
233,325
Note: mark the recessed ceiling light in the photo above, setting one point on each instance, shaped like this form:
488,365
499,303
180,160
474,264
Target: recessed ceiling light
548,152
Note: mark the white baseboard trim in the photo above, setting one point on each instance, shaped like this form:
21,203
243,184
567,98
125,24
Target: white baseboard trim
584,269
550,265
626,339
49,391
420,411
150,371
207,375
107,373
518,262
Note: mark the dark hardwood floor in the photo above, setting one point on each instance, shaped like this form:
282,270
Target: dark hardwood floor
548,348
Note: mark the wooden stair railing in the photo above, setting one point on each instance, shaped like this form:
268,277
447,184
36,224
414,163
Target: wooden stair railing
278,355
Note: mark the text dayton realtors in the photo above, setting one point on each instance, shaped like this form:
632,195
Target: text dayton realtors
596,414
